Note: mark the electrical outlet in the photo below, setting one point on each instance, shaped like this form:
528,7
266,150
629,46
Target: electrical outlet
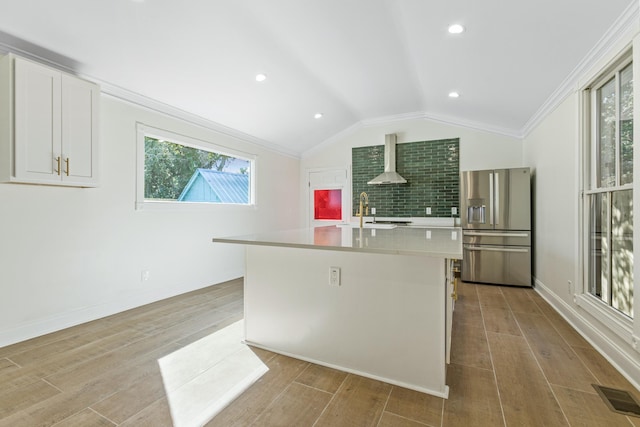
428,211
334,276
373,211
144,275
454,211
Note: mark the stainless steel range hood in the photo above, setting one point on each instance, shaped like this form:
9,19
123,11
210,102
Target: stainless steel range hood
389,176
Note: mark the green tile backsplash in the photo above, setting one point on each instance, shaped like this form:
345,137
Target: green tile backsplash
431,169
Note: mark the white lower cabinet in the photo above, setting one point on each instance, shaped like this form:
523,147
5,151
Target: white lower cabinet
452,274
48,125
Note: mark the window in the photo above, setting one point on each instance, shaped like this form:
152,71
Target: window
327,204
176,168
609,189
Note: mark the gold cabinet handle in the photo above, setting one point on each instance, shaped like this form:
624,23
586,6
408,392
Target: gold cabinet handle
66,162
58,163
456,277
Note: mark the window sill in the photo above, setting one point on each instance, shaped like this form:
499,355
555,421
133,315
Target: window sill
616,322
167,206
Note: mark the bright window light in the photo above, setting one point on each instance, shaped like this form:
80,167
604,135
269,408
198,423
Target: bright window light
202,378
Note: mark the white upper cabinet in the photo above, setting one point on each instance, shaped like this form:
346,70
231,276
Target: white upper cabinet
80,100
50,130
37,130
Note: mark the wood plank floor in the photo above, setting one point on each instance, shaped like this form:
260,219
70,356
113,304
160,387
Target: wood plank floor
515,362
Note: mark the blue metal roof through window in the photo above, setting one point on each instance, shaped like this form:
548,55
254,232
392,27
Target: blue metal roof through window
213,186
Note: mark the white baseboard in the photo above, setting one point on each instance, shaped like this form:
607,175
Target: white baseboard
627,362
67,319
438,393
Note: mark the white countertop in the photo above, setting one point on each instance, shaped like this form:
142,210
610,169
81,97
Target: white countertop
434,242
420,222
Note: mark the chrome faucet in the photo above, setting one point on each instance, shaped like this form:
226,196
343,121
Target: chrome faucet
363,198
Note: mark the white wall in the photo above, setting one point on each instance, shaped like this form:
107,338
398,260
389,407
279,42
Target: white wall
478,149
69,255
552,150
551,153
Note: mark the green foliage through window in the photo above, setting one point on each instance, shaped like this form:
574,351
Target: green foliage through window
610,198
170,167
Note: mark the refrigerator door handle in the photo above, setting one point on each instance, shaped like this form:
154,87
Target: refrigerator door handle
492,249
491,198
497,198
480,233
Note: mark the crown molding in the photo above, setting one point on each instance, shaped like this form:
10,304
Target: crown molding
66,65
472,125
168,110
447,120
621,28
378,121
417,115
627,22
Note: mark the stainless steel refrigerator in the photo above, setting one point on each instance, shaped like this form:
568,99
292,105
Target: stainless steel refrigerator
496,221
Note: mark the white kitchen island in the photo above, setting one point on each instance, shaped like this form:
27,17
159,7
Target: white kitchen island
388,319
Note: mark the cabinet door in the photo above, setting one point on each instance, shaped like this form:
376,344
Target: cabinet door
37,122
79,131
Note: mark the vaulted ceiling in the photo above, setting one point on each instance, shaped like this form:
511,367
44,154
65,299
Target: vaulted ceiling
351,60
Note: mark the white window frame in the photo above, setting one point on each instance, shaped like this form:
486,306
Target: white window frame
346,196
141,203
617,322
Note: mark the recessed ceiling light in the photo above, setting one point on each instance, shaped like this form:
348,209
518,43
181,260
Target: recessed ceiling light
454,95
261,77
456,29
318,116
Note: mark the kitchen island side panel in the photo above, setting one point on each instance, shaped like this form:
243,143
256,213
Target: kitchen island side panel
386,320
